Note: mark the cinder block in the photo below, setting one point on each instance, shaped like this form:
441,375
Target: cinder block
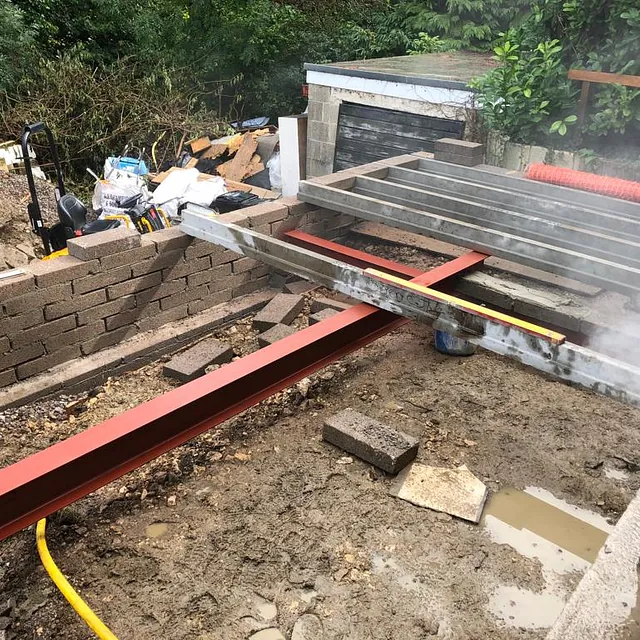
18,356
275,333
459,147
158,262
336,180
108,339
191,364
7,377
244,264
104,243
130,317
281,310
77,303
212,300
201,248
260,271
226,256
101,280
265,213
239,218
454,158
172,315
319,304
183,269
299,287
49,330
49,273
90,316
134,285
170,239
13,286
296,207
189,295
5,345
162,291
370,440
325,314
34,367
217,274
130,257
75,336
11,325
250,287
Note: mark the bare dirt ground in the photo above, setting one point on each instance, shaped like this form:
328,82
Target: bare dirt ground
253,525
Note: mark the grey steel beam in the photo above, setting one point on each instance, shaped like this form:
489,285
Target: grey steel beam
562,234
543,207
590,269
532,187
568,362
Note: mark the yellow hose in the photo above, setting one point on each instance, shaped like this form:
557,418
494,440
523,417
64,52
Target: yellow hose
82,609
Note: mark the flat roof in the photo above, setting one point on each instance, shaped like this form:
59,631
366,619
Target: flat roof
452,70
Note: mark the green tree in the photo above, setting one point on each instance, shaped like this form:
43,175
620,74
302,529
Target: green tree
16,45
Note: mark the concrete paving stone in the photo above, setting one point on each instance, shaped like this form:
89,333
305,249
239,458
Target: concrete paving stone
455,158
459,147
281,310
325,314
454,491
191,364
370,440
103,244
300,287
320,304
275,333
268,634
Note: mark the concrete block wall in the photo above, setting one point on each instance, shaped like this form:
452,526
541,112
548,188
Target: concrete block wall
117,284
324,111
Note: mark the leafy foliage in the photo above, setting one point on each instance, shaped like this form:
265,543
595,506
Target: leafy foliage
16,45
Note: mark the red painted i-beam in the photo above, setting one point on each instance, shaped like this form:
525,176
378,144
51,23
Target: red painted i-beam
57,476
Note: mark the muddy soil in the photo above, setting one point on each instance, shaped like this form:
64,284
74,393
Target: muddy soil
253,525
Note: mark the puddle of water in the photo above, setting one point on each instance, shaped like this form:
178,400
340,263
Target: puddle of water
536,523
563,538
616,474
156,530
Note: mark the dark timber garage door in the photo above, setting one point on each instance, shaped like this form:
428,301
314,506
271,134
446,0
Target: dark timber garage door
366,134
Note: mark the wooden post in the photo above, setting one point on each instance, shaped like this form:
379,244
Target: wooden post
584,102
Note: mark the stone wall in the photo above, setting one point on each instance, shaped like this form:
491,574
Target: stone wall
118,284
324,110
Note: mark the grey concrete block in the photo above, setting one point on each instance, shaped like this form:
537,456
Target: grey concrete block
299,287
370,440
281,310
320,304
325,314
459,147
16,285
277,332
49,273
454,158
103,244
192,363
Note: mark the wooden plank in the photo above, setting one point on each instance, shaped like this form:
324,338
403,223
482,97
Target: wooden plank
214,151
584,102
604,78
401,117
238,167
407,144
392,128
199,144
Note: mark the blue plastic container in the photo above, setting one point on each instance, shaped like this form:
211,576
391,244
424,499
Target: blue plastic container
132,165
447,342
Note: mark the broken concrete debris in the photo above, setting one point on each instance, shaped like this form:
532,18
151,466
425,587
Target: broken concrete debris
320,304
299,287
370,440
454,491
277,332
281,310
307,627
192,363
268,634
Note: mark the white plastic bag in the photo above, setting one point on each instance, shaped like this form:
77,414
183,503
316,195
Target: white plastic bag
275,176
169,193
204,192
117,186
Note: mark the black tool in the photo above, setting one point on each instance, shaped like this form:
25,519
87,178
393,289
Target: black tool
71,211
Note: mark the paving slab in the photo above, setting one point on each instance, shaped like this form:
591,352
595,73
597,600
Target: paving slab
325,314
370,440
300,286
454,491
281,310
192,363
320,304
275,333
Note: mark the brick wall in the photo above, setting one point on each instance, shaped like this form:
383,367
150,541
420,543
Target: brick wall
117,284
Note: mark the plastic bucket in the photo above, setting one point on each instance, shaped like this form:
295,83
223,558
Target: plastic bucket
453,346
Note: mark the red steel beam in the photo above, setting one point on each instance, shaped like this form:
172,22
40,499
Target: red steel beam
65,472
